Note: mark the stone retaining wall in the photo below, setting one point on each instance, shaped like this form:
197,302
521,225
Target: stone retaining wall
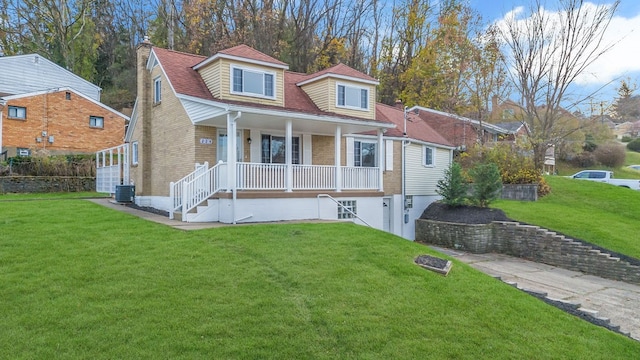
521,192
528,242
45,184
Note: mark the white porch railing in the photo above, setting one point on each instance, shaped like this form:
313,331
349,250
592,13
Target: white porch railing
202,187
360,178
195,188
176,188
112,168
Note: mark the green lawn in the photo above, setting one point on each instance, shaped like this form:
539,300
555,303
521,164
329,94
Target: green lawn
81,281
605,215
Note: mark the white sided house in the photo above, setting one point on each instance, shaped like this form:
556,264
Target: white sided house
237,137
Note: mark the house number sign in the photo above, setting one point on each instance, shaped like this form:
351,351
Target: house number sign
206,141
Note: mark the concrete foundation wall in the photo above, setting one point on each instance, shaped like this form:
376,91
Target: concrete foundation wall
528,242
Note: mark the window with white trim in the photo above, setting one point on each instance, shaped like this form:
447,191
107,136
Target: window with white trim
252,82
347,209
96,122
17,112
157,90
428,156
274,148
23,152
365,153
134,153
352,97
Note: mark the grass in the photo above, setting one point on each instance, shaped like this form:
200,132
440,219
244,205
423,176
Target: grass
605,215
81,281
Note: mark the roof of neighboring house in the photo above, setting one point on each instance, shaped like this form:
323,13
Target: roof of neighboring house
511,126
437,117
416,128
32,72
179,69
341,70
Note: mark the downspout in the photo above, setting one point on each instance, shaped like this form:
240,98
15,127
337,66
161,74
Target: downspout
405,217
232,160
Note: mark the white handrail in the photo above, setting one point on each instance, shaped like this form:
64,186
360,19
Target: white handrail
175,188
342,206
201,187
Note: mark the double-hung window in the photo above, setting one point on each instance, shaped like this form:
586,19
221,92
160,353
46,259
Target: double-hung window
352,97
96,122
157,90
252,82
428,154
364,153
274,149
17,112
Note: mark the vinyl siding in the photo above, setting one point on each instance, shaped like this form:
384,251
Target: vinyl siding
30,73
421,180
225,84
211,75
323,94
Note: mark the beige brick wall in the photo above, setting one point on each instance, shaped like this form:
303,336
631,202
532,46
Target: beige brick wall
322,150
393,179
66,120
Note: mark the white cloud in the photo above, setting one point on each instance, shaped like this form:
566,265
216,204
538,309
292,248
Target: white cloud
623,34
622,58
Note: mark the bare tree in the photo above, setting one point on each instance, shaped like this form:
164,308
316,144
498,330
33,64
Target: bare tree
546,53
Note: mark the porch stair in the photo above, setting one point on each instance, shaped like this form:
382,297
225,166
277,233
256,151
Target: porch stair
207,211
194,190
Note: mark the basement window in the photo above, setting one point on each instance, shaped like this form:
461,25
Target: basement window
347,209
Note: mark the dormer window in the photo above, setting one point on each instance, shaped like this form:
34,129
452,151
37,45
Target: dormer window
252,82
352,97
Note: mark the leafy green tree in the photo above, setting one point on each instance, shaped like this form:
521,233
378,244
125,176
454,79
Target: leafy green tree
487,184
453,187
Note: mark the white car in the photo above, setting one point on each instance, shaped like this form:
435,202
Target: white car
634,167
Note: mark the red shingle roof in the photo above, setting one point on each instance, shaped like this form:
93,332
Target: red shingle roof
340,69
416,127
178,68
248,52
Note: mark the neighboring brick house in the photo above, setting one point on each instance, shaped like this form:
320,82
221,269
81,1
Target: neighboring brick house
285,145
460,131
44,107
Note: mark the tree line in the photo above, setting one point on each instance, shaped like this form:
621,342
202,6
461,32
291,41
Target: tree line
437,54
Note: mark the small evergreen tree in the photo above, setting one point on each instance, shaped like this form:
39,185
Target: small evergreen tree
486,184
452,187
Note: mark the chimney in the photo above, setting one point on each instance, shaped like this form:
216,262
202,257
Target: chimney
399,104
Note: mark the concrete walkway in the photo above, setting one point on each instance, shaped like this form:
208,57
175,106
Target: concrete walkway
615,300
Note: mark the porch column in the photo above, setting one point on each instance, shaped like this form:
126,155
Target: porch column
289,155
231,153
337,156
380,161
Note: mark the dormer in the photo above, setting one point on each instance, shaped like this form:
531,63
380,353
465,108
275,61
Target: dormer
342,90
242,73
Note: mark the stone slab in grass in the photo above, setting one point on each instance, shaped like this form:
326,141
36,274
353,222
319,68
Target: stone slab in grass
441,266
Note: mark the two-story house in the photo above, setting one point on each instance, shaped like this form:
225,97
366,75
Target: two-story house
46,107
237,137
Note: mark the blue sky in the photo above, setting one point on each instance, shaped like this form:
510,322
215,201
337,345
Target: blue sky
621,62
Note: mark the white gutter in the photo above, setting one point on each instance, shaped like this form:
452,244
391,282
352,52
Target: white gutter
232,160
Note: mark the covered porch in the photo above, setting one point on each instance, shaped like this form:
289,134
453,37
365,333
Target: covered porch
281,155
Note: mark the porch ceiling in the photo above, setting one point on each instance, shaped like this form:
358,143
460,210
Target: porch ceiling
267,119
